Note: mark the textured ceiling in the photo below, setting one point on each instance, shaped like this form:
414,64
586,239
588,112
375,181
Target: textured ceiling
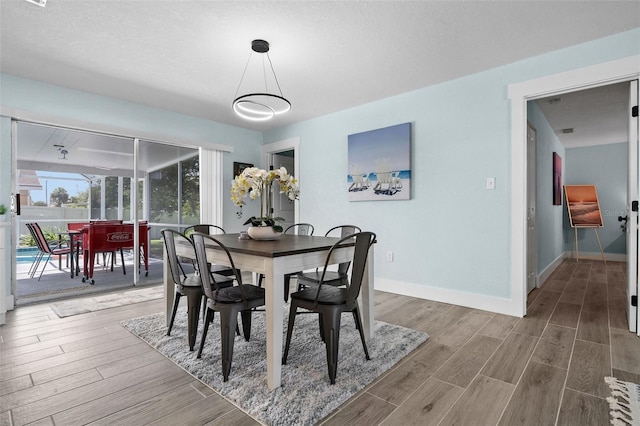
596,116
188,56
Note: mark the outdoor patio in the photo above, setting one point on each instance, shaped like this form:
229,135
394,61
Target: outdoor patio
57,284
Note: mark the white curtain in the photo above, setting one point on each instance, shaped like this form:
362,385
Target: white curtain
211,186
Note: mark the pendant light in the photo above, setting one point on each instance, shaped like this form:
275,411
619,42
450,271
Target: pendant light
260,105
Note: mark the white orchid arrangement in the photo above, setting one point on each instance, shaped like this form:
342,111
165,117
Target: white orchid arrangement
257,183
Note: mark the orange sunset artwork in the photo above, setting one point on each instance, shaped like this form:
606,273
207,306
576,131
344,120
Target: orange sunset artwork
583,205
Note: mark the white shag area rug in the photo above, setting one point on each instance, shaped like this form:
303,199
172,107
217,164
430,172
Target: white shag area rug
105,301
624,402
306,396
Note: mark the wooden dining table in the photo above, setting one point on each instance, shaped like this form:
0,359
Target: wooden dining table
274,259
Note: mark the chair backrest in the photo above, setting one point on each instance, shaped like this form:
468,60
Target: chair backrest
32,231
41,240
170,236
204,229
200,242
363,241
300,229
345,231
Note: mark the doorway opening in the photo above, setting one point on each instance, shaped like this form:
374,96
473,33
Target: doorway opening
79,177
285,154
583,141
622,70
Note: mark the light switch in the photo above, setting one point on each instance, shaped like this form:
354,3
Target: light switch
491,183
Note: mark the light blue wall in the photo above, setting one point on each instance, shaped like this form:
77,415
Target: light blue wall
549,232
453,234
606,167
38,97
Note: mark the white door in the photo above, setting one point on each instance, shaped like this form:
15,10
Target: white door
632,227
532,245
282,206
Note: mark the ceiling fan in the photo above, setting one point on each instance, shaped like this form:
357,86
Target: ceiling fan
63,151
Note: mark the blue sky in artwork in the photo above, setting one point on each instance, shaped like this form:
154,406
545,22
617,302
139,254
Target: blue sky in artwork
388,147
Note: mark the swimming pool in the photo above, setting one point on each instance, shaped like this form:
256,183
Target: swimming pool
26,254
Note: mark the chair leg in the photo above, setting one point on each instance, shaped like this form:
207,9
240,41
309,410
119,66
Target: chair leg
322,336
331,324
45,266
228,323
176,302
292,318
355,319
35,264
204,306
208,319
287,282
193,312
356,316
246,324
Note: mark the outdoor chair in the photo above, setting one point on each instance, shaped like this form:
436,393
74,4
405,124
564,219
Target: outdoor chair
334,278
186,285
228,301
38,257
329,302
49,248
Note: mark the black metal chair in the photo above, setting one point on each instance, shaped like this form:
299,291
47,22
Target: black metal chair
205,229
330,302
334,278
228,301
300,229
210,230
186,285
295,229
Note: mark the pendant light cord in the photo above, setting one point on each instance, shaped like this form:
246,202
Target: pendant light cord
264,74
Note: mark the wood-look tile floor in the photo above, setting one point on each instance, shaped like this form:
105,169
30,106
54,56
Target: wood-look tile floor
478,368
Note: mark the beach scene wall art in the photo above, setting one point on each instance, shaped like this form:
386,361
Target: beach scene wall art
380,164
583,206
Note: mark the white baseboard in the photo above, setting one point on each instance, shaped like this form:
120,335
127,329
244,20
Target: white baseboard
10,302
455,297
546,272
614,257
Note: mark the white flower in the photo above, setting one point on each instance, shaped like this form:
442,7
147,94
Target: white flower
255,182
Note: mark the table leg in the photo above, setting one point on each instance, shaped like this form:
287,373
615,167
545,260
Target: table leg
274,287
71,253
78,248
367,296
